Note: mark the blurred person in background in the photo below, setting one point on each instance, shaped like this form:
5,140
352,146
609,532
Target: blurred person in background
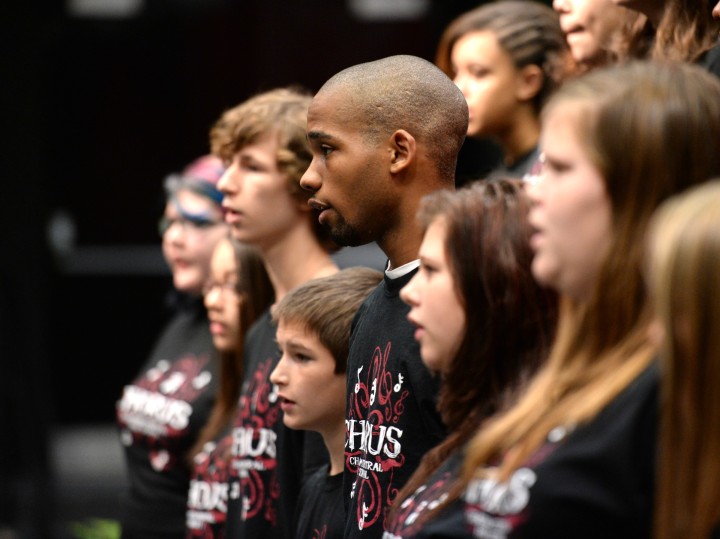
683,284
162,411
506,57
237,293
595,30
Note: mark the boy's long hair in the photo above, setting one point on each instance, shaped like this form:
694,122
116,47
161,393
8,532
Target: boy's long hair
282,112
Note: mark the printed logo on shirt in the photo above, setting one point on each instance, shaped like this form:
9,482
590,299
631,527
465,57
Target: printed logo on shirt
320,534
408,519
493,508
159,405
208,494
373,447
254,450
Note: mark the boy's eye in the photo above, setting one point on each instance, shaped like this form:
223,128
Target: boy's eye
302,357
325,150
249,163
252,167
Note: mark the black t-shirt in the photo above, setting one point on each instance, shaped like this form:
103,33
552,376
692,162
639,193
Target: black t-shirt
160,415
320,511
527,167
594,482
391,416
269,461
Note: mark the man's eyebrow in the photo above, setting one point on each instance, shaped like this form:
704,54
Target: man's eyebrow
319,135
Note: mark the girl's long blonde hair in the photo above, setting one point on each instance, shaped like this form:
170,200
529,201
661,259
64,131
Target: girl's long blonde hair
683,269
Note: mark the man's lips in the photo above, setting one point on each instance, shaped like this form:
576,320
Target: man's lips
318,205
321,208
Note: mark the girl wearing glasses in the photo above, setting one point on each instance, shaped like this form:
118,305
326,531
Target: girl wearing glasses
161,412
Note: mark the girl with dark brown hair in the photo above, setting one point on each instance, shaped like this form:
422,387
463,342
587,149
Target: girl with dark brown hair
484,324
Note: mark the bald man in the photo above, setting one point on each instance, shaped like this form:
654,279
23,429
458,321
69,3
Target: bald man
383,135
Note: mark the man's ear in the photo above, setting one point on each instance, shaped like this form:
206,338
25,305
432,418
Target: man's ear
402,150
530,82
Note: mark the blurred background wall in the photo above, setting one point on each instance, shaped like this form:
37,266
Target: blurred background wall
102,99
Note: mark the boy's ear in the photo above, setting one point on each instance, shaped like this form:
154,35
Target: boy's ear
530,81
402,149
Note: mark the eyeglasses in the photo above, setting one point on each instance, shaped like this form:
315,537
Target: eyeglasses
228,288
187,223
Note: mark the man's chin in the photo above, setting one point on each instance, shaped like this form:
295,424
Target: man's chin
346,236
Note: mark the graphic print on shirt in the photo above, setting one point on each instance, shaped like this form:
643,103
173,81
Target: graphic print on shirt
208,493
410,514
493,509
155,410
373,446
254,449
320,534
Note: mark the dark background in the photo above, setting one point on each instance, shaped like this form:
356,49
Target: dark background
96,111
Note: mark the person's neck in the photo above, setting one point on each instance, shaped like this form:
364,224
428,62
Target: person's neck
401,252
521,138
335,444
401,244
297,258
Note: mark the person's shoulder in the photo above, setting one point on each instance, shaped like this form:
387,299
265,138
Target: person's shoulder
261,326
260,337
313,484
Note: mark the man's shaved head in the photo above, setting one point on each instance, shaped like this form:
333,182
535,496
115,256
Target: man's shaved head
405,92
